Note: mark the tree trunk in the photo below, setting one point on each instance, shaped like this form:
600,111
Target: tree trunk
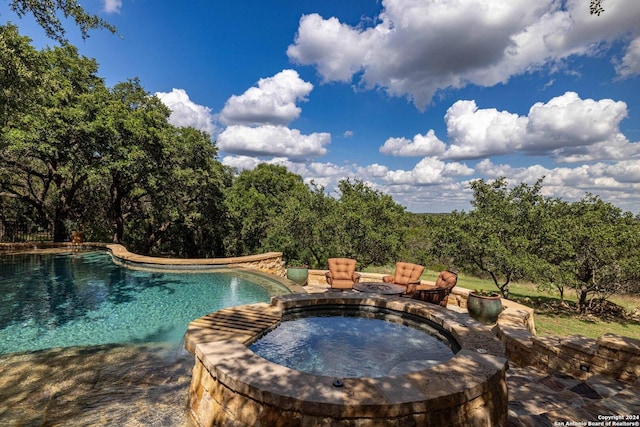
582,302
505,291
60,232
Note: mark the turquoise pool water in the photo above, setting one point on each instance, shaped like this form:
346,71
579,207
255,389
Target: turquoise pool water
350,347
83,298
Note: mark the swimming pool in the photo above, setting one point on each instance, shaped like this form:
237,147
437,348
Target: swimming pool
83,298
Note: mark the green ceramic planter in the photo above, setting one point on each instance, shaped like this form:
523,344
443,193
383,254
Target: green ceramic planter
300,275
485,309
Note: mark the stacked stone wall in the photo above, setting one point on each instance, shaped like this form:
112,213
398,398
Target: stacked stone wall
270,265
611,355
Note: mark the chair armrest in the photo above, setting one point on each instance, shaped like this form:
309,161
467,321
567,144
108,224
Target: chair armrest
425,287
434,291
329,277
434,296
355,277
388,279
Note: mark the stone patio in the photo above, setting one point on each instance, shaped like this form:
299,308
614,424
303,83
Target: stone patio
96,386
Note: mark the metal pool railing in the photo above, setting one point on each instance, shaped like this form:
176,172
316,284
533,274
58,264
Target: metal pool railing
24,231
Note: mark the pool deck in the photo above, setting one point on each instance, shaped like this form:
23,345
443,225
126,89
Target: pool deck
148,386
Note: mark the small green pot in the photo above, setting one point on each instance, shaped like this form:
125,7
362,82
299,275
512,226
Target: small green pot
300,275
485,309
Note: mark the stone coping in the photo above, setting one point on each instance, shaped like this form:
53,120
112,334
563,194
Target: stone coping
476,371
123,254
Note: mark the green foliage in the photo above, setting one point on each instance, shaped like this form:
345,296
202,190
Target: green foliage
20,74
595,7
255,202
518,234
46,12
497,238
272,209
47,150
75,151
371,225
305,230
602,251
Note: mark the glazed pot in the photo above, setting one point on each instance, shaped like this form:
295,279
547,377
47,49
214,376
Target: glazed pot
484,308
298,275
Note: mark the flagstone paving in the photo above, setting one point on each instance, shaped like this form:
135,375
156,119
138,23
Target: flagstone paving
98,386
541,399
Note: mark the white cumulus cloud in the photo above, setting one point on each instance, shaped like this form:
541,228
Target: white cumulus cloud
270,140
429,170
186,113
567,128
630,65
475,132
420,47
338,50
422,145
273,101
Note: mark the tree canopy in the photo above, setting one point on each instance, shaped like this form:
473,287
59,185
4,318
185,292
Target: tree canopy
518,234
75,153
46,13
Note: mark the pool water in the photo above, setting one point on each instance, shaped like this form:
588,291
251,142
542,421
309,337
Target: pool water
83,298
350,347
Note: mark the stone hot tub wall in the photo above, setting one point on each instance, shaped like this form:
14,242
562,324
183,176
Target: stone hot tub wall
233,386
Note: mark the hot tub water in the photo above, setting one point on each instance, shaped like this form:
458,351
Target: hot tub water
349,347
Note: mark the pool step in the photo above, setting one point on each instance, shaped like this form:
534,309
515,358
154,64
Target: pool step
239,323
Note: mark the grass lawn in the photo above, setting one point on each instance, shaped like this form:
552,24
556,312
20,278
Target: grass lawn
551,316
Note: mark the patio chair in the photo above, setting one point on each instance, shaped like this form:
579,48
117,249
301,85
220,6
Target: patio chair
438,294
342,273
407,275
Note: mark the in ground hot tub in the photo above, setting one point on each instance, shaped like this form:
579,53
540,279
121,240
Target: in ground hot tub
233,385
353,343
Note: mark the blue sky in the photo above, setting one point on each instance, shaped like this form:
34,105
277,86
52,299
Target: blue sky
415,97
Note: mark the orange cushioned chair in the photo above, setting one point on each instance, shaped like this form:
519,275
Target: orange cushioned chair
438,294
407,274
342,273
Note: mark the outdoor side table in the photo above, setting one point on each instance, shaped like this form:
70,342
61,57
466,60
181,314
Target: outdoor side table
380,288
